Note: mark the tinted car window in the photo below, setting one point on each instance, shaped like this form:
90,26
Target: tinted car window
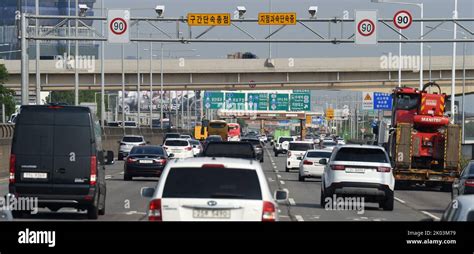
217,125
281,140
147,150
212,183
471,170
251,141
75,139
230,149
172,135
300,147
215,138
361,154
194,142
176,143
132,139
33,140
318,155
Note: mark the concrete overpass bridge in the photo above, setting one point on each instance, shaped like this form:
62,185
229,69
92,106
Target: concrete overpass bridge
356,74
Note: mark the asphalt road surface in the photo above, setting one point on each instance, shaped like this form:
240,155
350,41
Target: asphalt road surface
124,202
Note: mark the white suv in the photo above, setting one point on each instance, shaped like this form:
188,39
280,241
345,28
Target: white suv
296,150
310,166
213,189
127,143
359,171
281,145
179,148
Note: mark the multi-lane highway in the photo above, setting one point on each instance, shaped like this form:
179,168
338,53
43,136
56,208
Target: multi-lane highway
124,202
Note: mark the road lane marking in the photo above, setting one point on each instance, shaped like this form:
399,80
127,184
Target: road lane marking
121,173
282,182
292,201
279,176
400,200
430,215
299,218
107,177
270,179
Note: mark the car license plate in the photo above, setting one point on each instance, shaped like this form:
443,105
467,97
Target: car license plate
355,170
211,213
176,151
146,161
436,178
31,175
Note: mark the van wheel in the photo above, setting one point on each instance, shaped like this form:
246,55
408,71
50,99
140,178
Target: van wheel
276,154
322,201
102,205
261,160
127,177
387,204
287,169
93,212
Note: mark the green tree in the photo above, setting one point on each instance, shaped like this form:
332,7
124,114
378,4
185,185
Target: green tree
7,96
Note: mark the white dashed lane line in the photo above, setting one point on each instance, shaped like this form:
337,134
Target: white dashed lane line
292,201
299,218
431,215
400,200
282,182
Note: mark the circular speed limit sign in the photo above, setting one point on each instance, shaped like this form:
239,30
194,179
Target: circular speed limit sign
366,27
402,19
118,26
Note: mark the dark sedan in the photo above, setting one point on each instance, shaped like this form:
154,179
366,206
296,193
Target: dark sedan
465,184
145,161
257,146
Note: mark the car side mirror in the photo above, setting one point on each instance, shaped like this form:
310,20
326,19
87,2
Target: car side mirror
323,161
281,195
147,192
171,155
110,158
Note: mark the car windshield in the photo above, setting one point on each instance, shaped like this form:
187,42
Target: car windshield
318,155
176,143
281,140
407,101
229,149
300,146
218,183
252,141
361,155
132,139
144,150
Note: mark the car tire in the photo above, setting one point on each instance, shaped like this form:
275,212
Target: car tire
93,212
447,188
301,178
127,177
261,160
120,157
287,169
276,154
322,201
388,203
102,211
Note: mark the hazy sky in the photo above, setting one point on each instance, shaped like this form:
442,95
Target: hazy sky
327,8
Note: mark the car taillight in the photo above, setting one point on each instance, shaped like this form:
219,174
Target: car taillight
188,148
212,166
131,160
307,162
142,144
469,183
384,169
338,167
12,168
93,178
269,211
154,211
160,161
166,148
289,154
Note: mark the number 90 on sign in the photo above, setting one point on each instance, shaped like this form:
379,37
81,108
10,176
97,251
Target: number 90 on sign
366,27
402,19
118,26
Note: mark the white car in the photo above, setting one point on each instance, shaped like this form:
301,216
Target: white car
281,145
213,189
127,143
310,166
179,148
197,147
329,144
296,150
359,171
263,138
341,141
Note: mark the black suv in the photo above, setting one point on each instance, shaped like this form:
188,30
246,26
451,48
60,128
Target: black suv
57,157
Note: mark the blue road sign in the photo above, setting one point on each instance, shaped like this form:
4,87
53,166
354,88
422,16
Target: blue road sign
382,101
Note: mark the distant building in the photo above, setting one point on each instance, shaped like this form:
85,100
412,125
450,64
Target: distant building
10,45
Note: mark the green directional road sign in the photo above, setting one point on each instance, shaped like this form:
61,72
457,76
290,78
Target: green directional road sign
235,101
300,102
257,101
213,100
279,101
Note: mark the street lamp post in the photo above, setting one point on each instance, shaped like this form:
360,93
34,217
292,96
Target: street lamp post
453,76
